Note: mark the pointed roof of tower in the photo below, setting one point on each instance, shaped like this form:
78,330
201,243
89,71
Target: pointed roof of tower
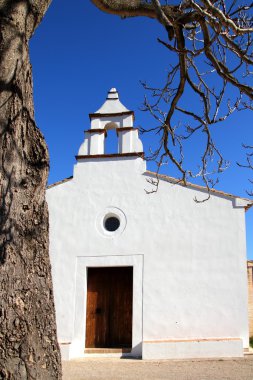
112,105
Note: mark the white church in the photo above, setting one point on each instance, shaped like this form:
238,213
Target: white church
152,276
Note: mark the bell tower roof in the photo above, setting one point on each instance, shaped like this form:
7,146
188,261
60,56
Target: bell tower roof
112,106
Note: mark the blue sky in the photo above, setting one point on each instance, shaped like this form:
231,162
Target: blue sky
78,53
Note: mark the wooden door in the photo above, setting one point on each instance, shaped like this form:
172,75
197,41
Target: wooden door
109,307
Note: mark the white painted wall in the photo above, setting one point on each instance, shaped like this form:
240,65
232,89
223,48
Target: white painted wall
129,141
193,257
94,142
121,121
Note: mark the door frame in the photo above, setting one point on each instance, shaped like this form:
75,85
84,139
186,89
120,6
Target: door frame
82,263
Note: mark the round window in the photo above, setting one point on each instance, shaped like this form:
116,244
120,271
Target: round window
111,223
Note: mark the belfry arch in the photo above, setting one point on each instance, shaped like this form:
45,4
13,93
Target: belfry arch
110,126
111,141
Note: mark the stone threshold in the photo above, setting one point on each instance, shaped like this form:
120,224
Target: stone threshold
107,350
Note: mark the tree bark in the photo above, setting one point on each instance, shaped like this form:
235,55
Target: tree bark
28,342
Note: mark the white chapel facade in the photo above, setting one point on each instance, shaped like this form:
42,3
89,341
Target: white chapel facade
144,275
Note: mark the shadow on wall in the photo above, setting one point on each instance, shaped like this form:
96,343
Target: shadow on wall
135,353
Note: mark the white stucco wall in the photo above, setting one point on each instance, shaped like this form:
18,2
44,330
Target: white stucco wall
120,121
190,258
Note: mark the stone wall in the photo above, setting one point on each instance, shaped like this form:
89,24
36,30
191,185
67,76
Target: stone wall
250,287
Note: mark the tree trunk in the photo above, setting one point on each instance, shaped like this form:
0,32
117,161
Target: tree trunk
28,343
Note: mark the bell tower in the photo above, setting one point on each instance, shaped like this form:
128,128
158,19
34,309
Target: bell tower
111,115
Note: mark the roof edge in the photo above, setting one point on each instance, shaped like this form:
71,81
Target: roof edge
178,182
59,182
112,114
198,187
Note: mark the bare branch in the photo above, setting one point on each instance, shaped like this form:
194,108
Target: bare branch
212,43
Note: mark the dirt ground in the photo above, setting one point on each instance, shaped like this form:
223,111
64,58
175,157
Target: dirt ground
130,369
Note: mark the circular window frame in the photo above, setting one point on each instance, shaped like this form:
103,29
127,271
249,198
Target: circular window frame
107,213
